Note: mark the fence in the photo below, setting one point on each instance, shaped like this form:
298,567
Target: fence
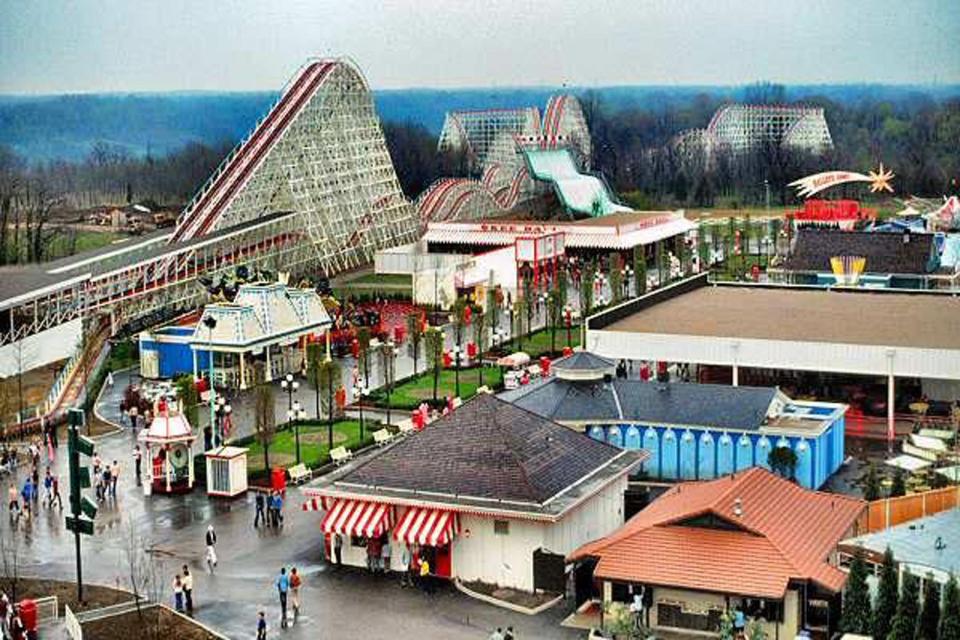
74,621
889,512
48,609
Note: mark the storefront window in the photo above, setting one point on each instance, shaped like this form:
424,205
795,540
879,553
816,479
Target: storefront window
501,527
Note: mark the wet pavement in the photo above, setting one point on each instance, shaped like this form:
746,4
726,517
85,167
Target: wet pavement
336,603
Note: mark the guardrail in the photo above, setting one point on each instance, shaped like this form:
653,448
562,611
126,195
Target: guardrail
48,609
71,624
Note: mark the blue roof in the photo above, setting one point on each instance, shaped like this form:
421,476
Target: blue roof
915,541
677,403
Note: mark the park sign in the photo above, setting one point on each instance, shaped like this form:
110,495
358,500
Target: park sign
813,184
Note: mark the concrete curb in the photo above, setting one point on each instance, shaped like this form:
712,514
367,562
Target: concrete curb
117,428
504,604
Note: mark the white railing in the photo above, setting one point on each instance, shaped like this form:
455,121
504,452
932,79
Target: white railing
71,624
60,384
48,609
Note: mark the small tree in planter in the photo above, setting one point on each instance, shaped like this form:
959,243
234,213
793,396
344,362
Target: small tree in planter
640,269
616,277
887,597
264,420
433,340
329,378
363,361
871,486
930,611
899,487
414,336
950,614
554,316
908,609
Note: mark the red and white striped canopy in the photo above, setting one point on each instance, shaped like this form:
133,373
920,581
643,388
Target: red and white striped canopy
357,518
314,504
431,527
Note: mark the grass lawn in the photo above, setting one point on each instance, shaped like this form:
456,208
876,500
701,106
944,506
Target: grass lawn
538,343
411,393
59,247
313,443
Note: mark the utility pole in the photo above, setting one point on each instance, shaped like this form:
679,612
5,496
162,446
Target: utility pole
80,506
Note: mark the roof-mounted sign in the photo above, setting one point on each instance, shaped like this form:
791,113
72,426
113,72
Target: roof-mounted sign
810,185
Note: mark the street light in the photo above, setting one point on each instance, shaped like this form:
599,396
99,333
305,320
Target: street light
359,390
290,386
210,323
295,414
223,410
390,371
510,310
456,369
568,315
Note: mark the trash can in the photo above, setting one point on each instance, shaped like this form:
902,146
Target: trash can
278,479
28,614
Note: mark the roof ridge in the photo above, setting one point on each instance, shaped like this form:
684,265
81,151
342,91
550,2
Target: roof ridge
507,435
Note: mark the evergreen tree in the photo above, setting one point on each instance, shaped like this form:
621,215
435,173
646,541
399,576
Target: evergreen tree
887,597
930,612
908,609
899,487
950,614
857,613
871,486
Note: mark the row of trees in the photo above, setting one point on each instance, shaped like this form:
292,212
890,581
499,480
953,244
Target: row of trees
900,612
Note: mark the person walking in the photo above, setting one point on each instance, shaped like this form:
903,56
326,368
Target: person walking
178,593
258,501
261,626
48,489
114,476
509,634
188,588
106,481
425,581
56,493
97,463
36,483
385,553
13,500
496,635
137,457
283,586
295,582
338,548
269,500
404,567
278,509
27,494
211,540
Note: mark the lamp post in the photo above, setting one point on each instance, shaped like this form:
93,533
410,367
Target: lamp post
511,309
456,369
289,385
295,414
389,371
568,316
223,410
359,390
210,323
542,305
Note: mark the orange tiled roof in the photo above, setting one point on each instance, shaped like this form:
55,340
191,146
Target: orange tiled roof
787,533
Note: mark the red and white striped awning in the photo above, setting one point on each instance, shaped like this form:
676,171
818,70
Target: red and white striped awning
431,527
314,504
357,518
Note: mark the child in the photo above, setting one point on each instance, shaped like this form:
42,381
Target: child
261,627
178,593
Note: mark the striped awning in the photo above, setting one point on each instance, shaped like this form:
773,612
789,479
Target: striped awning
431,527
314,504
357,518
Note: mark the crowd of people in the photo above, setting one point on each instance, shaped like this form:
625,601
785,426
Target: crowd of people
269,509
25,502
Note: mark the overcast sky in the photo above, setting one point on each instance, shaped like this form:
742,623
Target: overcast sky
55,46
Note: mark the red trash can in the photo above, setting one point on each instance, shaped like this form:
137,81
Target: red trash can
28,614
278,479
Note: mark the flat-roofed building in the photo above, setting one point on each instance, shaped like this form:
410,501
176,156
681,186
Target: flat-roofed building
866,332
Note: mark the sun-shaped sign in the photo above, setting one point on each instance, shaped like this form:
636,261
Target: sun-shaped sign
880,180
810,185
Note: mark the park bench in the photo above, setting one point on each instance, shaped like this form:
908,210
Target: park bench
382,437
298,473
340,455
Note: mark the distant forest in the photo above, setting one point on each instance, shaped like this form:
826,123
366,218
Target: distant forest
74,152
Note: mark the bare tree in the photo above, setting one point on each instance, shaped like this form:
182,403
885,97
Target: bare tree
265,420
10,558
145,575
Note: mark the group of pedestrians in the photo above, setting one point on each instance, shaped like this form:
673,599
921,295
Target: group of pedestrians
269,509
500,634
26,501
183,591
106,477
11,625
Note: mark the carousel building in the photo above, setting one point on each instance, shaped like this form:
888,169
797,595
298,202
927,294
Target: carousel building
488,493
259,336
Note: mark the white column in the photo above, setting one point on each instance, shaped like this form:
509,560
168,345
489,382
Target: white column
190,475
736,375
167,468
243,373
269,374
196,373
891,387
735,350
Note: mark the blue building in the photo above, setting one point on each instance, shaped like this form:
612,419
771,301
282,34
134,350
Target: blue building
691,431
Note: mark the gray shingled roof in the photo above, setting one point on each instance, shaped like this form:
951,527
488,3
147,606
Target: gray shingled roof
708,405
487,448
885,252
583,363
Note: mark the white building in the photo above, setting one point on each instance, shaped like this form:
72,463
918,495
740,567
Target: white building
480,493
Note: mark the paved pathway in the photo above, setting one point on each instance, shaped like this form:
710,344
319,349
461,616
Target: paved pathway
336,603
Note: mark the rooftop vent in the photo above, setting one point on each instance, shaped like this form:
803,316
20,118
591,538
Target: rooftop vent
738,507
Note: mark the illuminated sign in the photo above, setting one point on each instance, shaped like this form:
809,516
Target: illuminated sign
810,185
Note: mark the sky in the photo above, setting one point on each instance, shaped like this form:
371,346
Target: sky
68,46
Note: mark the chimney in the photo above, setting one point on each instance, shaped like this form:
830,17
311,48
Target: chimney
738,507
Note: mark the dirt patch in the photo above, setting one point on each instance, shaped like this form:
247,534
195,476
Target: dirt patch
35,385
524,599
94,596
155,622
318,437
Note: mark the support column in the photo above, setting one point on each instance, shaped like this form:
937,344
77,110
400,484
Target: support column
736,375
735,350
891,388
243,372
196,371
268,377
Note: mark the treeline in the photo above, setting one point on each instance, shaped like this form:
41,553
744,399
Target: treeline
33,197
917,138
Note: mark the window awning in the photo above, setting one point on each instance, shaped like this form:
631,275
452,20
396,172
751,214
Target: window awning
431,527
357,518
